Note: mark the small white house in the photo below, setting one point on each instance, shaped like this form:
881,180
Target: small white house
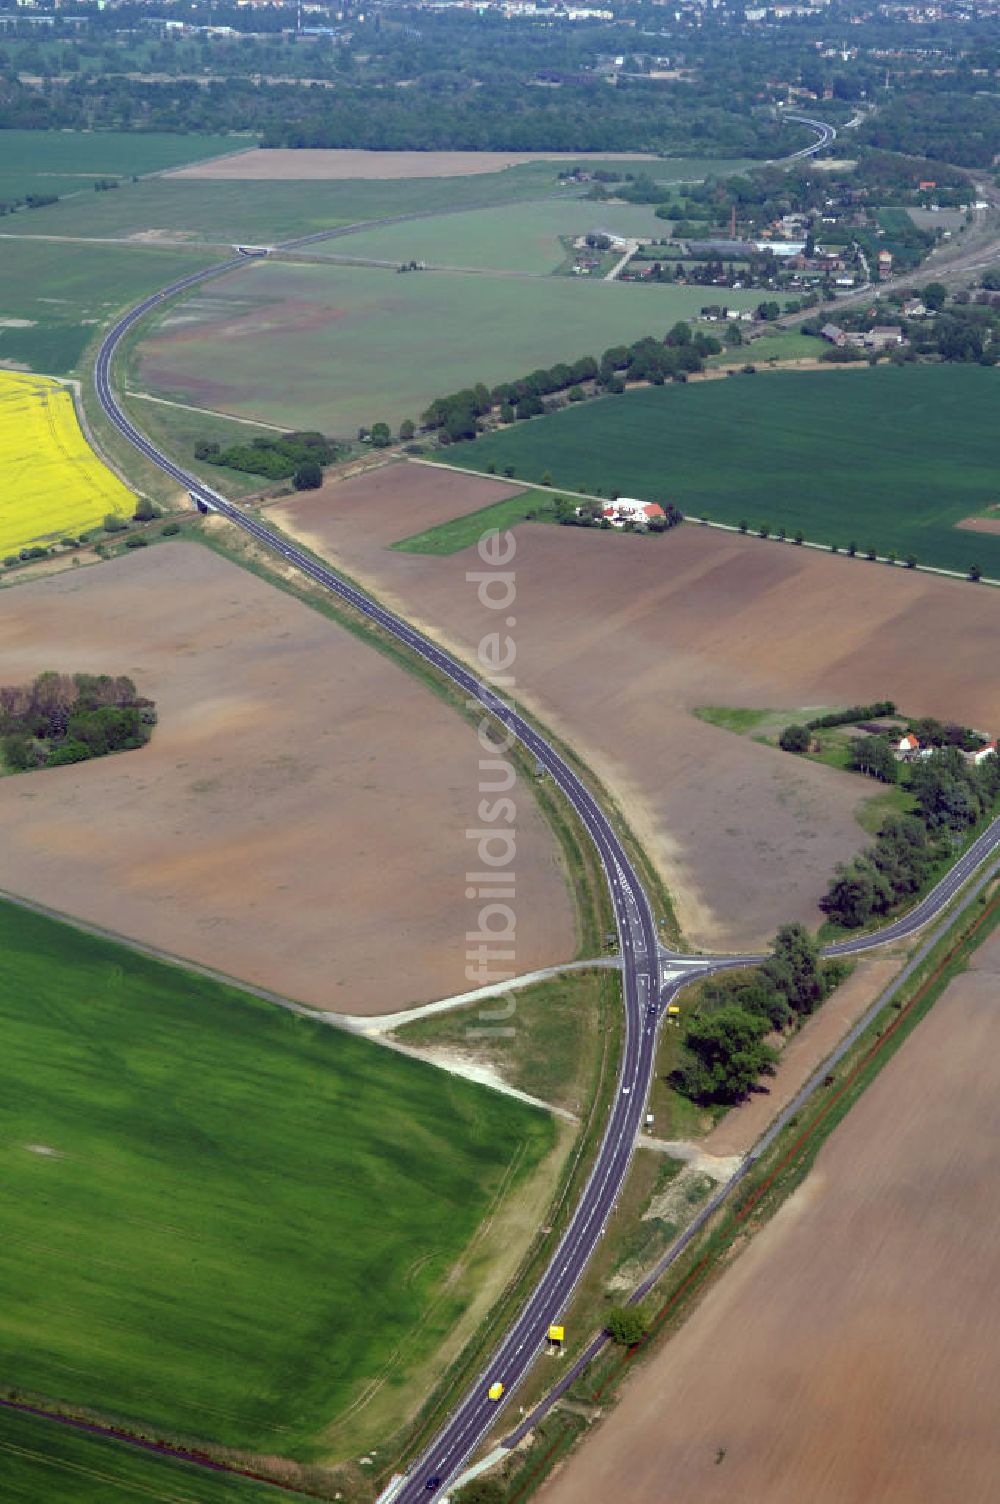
984,753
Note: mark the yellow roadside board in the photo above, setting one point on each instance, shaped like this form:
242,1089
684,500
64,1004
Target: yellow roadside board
673,1009
557,1333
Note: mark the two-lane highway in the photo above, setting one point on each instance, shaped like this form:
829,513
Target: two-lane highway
636,930
644,962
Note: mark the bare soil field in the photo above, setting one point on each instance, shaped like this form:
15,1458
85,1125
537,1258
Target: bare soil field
318,164
980,524
298,819
619,638
852,1353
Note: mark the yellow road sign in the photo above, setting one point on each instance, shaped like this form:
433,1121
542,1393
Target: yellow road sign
556,1333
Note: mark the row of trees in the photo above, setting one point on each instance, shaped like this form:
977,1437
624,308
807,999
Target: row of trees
952,796
64,718
725,1049
460,415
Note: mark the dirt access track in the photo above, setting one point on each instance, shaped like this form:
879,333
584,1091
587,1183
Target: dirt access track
319,164
618,638
298,819
852,1354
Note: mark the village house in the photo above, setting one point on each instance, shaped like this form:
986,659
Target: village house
628,509
834,334
984,752
884,335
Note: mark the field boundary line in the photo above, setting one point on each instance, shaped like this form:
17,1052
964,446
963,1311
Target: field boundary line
723,527
169,958
212,412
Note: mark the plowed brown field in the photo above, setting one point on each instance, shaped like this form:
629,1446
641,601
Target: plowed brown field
852,1354
321,164
298,819
619,638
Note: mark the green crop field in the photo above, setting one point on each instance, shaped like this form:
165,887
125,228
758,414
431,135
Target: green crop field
69,162
43,1462
222,1220
55,296
268,210
517,237
334,347
252,210
890,458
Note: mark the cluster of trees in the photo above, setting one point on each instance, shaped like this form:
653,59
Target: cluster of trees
876,757
951,796
931,732
797,738
725,1050
967,329
64,718
626,1325
681,352
946,123
298,457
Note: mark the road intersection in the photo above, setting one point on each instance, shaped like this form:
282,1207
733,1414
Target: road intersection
652,975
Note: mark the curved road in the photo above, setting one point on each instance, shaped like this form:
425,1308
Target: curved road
645,989
634,919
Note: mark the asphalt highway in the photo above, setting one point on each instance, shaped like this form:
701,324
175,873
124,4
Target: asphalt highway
636,932
651,975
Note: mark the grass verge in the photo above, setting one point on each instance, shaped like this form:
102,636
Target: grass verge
547,1046
604,1084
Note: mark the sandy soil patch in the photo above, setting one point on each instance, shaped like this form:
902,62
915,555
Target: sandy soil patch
317,164
618,639
852,1354
298,819
980,524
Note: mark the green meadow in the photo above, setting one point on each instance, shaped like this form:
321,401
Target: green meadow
334,347
223,1221
526,238
462,532
268,210
891,458
54,296
70,162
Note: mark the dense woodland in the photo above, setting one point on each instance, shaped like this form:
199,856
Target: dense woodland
404,77
66,718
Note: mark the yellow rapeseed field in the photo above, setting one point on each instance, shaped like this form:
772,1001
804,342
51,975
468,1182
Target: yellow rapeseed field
52,485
